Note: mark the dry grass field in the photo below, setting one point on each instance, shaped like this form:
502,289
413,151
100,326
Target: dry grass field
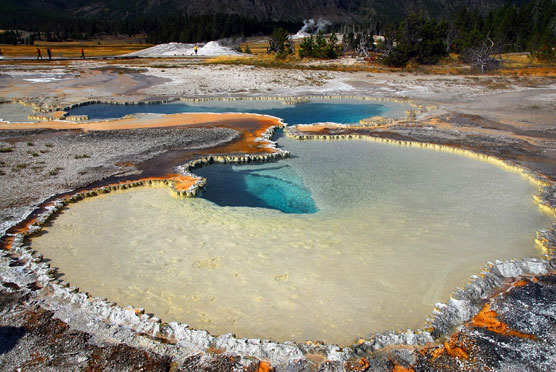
512,64
515,64
259,45
70,49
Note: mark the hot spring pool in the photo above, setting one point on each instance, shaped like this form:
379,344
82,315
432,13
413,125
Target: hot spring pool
305,112
376,235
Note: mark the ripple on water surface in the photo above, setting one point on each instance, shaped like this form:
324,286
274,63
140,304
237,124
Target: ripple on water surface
395,230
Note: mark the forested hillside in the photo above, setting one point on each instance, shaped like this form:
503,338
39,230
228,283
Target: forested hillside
514,26
275,10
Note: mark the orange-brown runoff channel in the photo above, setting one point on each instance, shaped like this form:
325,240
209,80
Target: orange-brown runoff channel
250,126
487,318
150,121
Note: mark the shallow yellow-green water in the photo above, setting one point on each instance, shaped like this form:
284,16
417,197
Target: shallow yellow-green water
397,230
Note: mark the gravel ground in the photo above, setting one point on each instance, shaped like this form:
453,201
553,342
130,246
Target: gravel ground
35,165
31,340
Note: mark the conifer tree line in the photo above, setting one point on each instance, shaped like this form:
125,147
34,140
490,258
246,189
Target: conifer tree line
190,29
530,26
178,28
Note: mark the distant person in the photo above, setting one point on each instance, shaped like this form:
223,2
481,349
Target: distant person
39,56
195,49
82,53
49,52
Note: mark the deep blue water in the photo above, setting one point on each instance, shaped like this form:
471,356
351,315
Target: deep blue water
273,186
337,111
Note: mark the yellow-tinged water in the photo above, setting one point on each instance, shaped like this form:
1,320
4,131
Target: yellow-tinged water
397,230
